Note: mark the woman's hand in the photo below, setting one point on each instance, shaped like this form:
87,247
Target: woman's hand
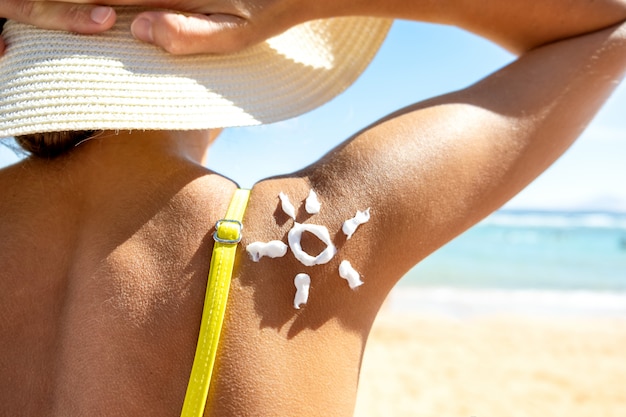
219,26
178,26
70,16
215,26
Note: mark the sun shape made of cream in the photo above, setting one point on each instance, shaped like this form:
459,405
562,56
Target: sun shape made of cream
277,248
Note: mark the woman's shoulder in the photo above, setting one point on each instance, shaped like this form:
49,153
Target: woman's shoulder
314,237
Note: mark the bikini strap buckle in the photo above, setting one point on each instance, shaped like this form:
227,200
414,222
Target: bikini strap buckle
228,231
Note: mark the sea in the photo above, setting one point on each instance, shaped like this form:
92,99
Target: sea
525,262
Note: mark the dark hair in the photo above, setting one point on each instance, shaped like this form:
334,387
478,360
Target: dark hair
52,144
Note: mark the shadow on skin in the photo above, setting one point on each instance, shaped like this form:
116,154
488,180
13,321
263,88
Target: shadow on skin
330,296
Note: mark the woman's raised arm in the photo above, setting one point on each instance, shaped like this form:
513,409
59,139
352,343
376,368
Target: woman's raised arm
432,170
217,26
517,25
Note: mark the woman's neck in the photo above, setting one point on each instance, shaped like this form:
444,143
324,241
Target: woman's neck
149,146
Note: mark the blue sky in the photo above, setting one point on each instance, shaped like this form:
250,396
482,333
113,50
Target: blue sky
416,62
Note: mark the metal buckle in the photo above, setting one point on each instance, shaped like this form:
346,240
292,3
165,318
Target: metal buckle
228,241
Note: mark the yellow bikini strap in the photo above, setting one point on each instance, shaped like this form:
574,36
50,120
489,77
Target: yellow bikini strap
227,235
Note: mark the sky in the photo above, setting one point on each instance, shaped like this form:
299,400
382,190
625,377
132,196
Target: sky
418,61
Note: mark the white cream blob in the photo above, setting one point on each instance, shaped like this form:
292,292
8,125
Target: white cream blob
347,272
272,249
312,204
286,205
302,283
295,236
350,225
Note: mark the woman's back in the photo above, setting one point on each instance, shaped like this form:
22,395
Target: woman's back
104,267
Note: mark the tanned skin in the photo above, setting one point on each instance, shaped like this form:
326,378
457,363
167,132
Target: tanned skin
105,250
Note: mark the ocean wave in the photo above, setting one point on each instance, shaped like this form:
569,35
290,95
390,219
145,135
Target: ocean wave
557,220
466,303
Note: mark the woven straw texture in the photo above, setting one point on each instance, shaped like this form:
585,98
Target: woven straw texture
58,81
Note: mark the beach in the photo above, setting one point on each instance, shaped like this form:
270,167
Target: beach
447,357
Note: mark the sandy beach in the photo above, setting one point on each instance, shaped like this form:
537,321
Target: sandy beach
498,364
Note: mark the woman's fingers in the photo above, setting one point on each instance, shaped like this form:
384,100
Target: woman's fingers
203,26
184,34
81,18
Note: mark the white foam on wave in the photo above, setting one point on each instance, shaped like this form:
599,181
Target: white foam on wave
558,220
464,303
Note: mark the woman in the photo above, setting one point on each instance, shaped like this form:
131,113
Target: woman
106,246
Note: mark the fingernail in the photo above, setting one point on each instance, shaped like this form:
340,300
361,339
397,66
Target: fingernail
142,30
101,14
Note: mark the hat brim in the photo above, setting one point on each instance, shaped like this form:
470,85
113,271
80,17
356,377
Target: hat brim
59,81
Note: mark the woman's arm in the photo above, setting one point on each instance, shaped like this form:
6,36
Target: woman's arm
517,25
436,168
217,26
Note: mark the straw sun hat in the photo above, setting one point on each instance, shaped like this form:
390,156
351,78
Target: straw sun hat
58,81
